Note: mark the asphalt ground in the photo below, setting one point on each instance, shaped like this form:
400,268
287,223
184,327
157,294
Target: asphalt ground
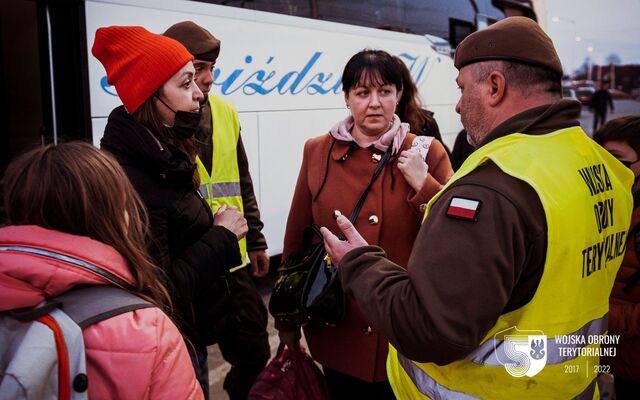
621,108
218,368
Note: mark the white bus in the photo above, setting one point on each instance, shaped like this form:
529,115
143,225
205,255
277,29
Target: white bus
282,72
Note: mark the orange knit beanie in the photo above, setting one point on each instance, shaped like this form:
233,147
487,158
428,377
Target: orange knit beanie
137,61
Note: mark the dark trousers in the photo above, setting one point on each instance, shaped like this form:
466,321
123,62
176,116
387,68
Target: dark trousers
343,386
599,118
198,356
244,342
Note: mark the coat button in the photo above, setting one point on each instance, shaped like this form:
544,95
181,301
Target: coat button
367,330
373,220
80,383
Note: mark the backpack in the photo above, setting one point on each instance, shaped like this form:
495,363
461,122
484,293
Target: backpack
42,354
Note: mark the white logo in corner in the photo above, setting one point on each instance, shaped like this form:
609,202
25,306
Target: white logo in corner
521,352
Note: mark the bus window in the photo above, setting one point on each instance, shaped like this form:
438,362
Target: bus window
489,11
458,30
297,8
432,17
411,16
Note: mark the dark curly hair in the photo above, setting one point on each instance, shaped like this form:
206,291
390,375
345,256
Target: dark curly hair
624,129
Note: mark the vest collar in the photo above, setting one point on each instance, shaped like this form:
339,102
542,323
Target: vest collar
538,120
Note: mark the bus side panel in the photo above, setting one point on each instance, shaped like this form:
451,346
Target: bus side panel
283,75
282,138
251,142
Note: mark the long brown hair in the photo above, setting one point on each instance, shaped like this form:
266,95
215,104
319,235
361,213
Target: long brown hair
77,189
147,115
410,108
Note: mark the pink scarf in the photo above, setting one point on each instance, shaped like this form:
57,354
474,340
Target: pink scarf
394,136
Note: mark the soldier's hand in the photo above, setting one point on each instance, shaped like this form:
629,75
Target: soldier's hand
337,248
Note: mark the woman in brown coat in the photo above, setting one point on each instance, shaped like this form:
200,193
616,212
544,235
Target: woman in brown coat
621,137
335,170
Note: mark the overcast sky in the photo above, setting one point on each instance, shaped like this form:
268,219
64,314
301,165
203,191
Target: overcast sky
605,27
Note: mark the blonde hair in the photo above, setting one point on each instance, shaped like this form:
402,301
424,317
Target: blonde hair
77,189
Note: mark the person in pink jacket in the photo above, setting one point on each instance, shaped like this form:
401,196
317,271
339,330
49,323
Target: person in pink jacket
74,203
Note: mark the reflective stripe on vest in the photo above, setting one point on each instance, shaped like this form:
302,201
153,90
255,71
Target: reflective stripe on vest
217,190
493,350
222,187
430,388
427,385
572,296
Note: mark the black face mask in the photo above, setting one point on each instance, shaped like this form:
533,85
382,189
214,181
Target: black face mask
628,164
185,123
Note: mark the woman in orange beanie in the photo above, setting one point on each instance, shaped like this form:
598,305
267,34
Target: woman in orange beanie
151,136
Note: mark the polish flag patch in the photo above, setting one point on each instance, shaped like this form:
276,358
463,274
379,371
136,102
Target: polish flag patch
466,209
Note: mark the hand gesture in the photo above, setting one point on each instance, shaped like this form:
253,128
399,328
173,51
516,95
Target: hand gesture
337,248
414,168
232,219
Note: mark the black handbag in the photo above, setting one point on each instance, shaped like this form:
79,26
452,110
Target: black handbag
308,287
285,303
322,296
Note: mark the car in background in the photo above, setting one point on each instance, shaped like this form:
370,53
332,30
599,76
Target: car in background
569,93
619,95
584,94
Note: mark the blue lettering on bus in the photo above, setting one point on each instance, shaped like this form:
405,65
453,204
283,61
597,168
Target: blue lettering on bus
416,66
106,87
250,81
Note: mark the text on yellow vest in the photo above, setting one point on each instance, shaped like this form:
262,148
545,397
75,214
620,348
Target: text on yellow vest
586,197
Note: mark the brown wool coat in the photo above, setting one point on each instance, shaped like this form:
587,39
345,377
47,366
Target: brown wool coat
354,347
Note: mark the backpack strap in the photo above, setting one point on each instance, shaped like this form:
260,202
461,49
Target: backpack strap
88,305
421,144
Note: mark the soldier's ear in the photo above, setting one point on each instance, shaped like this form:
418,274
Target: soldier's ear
496,88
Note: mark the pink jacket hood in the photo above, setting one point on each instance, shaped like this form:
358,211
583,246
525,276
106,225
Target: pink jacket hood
26,279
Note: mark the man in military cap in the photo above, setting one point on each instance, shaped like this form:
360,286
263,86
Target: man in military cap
519,249
225,182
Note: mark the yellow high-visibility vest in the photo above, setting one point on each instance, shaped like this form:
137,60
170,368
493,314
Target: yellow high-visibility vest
575,180
223,185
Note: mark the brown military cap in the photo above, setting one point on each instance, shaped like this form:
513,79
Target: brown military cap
199,41
518,39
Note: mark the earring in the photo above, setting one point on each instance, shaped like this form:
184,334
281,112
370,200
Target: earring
348,106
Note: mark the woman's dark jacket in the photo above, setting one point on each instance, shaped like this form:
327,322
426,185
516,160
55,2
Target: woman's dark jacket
194,254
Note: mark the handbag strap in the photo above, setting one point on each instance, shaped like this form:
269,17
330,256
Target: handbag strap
363,197
309,233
